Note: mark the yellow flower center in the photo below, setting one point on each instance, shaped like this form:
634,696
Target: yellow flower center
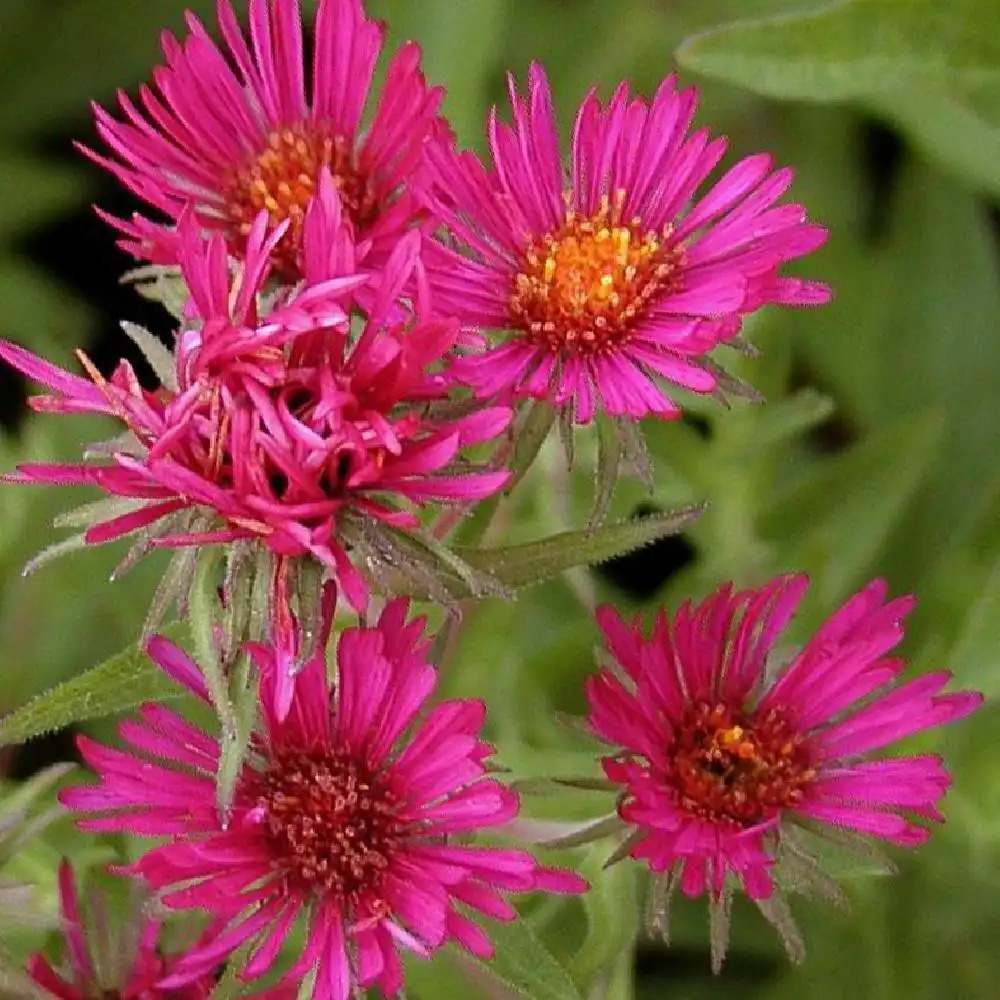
283,180
580,289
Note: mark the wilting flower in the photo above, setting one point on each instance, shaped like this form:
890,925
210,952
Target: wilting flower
274,428
350,815
235,131
721,756
136,964
614,278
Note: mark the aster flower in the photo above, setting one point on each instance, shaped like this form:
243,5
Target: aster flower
235,130
126,964
350,816
283,429
722,760
613,280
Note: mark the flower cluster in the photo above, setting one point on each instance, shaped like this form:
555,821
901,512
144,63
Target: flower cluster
369,318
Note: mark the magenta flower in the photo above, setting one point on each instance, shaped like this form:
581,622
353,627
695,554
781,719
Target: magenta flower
237,131
613,279
718,756
138,964
351,815
278,428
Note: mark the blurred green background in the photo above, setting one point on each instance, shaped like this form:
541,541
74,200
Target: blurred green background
876,454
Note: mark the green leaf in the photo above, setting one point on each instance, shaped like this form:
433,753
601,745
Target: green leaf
156,354
118,684
520,565
959,137
930,66
104,53
529,438
230,986
787,419
975,657
35,190
842,512
163,284
236,742
461,48
853,48
204,612
523,962
41,308
612,908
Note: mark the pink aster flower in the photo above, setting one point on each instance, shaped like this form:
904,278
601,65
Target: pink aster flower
137,964
282,428
237,130
721,755
351,816
615,279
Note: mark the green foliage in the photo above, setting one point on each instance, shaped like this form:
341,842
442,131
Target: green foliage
116,685
933,67
523,962
613,907
533,562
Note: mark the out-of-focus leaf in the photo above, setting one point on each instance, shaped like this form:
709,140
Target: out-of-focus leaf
975,657
922,62
14,984
954,133
612,908
35,190
852,48
789,418
105,52
853,501
520,565
523,962
117,685
944,332
461,44
39,312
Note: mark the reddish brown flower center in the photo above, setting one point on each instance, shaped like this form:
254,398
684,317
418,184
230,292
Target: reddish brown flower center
735,768
333,822
283,180
579,289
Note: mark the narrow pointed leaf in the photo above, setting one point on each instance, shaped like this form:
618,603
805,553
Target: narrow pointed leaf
161,284
530,437
523,962
609,462
118,684
229,987
236,743
204,614
20,799
157,356
54,551
520,565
